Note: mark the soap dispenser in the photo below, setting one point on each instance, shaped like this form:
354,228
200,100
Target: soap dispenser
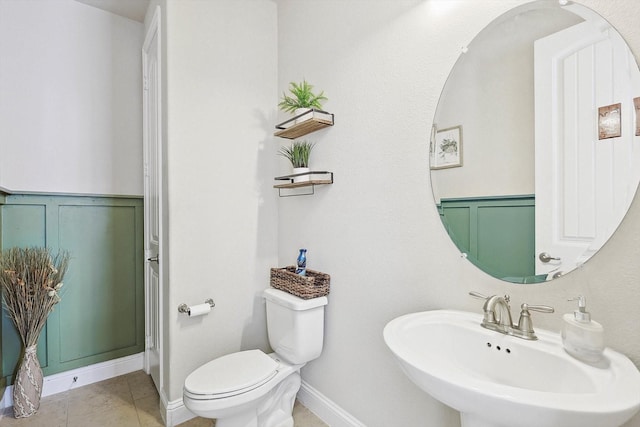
582,337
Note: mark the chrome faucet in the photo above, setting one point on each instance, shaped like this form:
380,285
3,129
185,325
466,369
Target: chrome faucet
497,316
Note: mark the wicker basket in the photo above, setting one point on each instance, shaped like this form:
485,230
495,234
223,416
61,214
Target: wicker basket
313,285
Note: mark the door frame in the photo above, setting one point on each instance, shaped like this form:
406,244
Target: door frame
154,31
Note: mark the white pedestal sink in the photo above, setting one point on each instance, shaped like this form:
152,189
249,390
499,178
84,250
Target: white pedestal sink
498,380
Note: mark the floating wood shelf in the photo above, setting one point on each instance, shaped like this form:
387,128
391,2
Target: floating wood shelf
317,119
324,179
304,184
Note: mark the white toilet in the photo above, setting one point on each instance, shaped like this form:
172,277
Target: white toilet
254,389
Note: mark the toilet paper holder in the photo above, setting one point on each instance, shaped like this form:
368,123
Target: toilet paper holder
184,308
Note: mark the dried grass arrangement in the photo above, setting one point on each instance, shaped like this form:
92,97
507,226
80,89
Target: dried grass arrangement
30,279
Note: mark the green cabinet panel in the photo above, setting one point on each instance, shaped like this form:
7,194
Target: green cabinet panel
22,225
497,233
506,239
100,310
458,224
101,315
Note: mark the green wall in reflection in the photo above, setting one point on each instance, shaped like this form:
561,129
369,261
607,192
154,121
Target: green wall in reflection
497,233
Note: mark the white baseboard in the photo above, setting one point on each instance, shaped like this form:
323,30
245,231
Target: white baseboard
325,409
58,383
174,412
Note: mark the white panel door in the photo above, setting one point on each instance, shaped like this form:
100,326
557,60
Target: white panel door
152,134
584,186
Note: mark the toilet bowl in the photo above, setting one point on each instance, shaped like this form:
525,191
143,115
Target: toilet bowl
254,389
211,391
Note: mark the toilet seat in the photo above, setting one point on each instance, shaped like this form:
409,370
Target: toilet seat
231,375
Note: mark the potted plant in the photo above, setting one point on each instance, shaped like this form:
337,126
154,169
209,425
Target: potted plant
298,154
30,279
303,99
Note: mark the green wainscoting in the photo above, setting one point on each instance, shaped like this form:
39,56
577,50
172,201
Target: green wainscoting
497,233
101,316
3,380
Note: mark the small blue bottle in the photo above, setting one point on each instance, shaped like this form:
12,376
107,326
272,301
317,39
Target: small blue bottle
302,263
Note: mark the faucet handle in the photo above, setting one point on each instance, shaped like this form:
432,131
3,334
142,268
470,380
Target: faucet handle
478,295
525,326
475,294
539,308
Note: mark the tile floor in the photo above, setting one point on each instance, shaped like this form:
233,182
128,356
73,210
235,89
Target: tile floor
126,401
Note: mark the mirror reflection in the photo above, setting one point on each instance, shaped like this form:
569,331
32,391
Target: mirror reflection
535,151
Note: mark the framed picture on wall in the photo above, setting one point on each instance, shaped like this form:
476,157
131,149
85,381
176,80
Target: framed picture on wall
446,148
609,121
636,104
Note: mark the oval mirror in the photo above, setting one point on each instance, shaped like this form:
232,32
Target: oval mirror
535,147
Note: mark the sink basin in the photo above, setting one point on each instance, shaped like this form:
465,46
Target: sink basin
498,380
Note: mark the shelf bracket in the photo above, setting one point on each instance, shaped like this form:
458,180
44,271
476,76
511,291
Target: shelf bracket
313,187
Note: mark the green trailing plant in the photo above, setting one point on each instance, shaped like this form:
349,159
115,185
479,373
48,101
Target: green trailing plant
302,97
298,153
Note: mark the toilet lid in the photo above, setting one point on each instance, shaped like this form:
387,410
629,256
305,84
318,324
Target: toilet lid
231,373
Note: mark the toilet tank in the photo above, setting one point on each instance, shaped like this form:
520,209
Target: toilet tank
295,325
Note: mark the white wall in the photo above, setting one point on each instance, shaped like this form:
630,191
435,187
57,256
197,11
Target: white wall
375,230
70,99
221,91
